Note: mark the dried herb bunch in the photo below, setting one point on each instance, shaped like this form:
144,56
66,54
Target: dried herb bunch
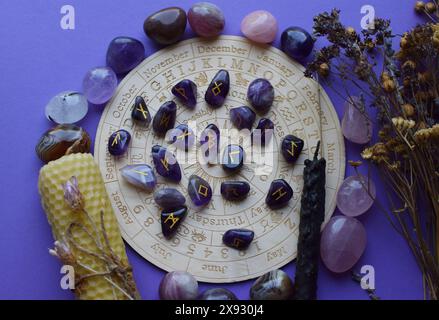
404,88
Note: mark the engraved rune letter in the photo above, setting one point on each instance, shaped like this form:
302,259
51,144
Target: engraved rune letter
182,92
143,111
293,145
217,90
173,219
202,189
116,139
165,120
165,163
279,192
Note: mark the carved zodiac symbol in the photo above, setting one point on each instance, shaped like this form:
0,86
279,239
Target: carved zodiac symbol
198,236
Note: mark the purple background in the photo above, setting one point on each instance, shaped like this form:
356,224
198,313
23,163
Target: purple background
38,59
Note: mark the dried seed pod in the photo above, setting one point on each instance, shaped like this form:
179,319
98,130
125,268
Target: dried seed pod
408,110
324,70
419,6
403,124
428,134
389,86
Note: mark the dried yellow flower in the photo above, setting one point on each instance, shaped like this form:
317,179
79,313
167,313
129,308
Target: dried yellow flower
427,134
389,85
408,110
419,6
403,124
430,7
355,164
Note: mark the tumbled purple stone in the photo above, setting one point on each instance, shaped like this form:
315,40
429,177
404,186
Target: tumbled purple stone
164,119
218,89
233,157
263,132
356,125
182,137
140,175
99,85
238,238
210,143
296,42
124,54
260,94
169,198
140,112
206,19
234,190
178,285
291,148
356,195
186,92
217,294
171,219
199,190
342,243
242,117
279,194
165,163
118,142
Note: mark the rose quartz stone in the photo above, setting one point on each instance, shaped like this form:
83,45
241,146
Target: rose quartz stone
342,243
355,125
259,26
356,195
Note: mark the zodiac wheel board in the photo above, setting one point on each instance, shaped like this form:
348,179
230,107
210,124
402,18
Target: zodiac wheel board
299,109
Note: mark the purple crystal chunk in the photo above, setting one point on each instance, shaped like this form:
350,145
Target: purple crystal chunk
140,175
165,163
178,285
186,92
199,190
238,238
260,94
171,220
263,132
342,243
210,143
291,148
118,142
182,137
356,125
242,117
124,54
279,194
164,119
218,89
217,294
140,112
234,190
99,85
206,19
356,195
169,198
296,42
233,157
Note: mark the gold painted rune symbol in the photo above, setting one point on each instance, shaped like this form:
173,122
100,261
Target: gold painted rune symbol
165,163
116,139
140,172
173,219
280,193
182,92
237,242
217,90
143,111
233,153
165,120
202,189
293,146
185,134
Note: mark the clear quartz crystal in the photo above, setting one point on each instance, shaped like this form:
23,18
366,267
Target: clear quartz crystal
67,107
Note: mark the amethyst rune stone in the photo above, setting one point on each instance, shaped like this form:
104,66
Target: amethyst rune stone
233,157
217,294
166,26
99,85
199,190
291,148
165,163
124,54
218,89
355,125
279,194
140,112
178,285
171,220
234,190
140,175
342,243
186,93
263,132
260,94
168,198
242,117
210,143
182,137
118,142
356,195
296,42
238,238
165,117
206,19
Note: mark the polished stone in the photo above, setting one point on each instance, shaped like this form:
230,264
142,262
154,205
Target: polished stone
118,142
242,117
342,243
206,19
124,54
199,190
217,294
263,133
356,195
186,93
238,238
279,194
296,42
259,26
356,125
140,112
234,190
182,137
218,89
67,107
178,285
164,119
99,85
169,198
166,26
171,220
291,148
166,163
260,94
61,140
233,157
210,143
140,175
274,285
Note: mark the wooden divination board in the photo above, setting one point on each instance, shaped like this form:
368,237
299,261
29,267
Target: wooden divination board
197,247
